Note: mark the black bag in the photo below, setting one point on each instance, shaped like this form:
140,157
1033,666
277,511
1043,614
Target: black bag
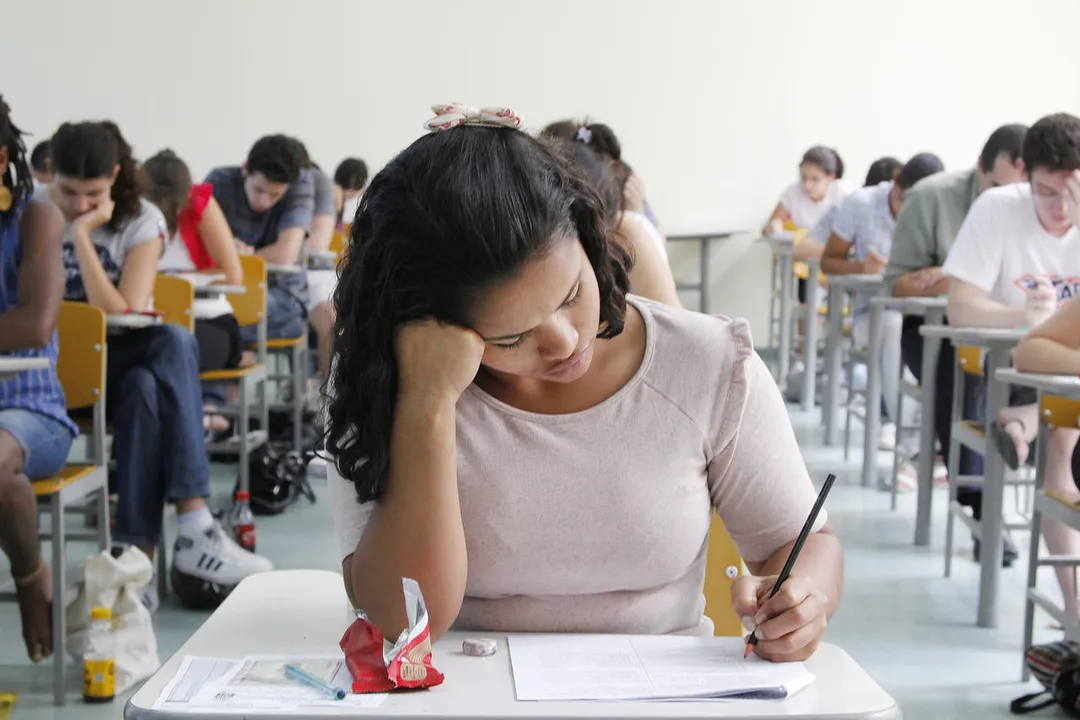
278,478
1057,666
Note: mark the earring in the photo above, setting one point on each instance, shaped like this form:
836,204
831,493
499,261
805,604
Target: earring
5,198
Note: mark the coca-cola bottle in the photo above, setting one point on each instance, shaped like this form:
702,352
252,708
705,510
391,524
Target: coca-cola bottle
243,521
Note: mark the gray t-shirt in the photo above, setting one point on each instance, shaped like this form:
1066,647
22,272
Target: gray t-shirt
325,205
112,247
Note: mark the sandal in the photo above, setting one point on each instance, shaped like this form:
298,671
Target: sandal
1005,444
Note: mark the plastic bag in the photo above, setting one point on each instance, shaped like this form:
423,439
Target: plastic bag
115,583
378,666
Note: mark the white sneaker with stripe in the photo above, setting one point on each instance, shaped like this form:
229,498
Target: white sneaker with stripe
214,556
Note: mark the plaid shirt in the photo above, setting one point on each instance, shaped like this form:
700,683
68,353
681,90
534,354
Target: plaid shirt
262,229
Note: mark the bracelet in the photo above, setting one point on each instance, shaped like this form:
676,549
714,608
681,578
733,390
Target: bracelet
24,581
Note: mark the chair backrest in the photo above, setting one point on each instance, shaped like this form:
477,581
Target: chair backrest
81,362
175,296
1059,412
337,241
970,358
722,555
250,308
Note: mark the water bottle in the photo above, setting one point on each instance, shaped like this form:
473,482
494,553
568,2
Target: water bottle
99,660
243,521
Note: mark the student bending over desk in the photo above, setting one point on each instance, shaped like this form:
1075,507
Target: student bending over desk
541,451
1016,257
111,246
35,431
881,170
350,179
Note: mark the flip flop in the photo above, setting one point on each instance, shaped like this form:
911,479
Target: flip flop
1005,445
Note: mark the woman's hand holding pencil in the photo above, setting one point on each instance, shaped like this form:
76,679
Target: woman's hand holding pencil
790,624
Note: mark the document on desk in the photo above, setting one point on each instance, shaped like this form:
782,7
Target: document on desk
257,683
633,667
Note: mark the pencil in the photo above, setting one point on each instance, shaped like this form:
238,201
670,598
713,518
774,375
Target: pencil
752,640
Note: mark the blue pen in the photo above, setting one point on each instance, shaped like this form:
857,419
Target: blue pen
307,678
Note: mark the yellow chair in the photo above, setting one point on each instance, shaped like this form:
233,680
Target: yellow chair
722,555
81,369
338,240
175,298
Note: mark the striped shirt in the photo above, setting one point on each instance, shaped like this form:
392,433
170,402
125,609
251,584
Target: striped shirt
36,390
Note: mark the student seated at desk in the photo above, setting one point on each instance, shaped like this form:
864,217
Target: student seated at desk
651,275
1017,255
268,203
925,229
541,451
112,242
807,201
602,139
881,170
41,163
35,431
1052,348
859,243
350,179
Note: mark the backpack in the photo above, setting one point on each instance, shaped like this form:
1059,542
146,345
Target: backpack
1057,668
278,477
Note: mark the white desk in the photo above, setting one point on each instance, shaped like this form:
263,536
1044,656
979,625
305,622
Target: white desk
999,344
932,309
133,321
215,290
840,286
705,241
783,249
11,365
274,268
306,611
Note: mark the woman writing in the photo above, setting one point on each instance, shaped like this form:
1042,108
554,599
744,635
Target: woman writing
539,450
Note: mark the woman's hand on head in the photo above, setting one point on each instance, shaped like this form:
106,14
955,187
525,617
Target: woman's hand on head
790,625
95,218
436,362
634,194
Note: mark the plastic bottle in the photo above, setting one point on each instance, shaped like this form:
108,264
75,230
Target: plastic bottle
243,521
99,660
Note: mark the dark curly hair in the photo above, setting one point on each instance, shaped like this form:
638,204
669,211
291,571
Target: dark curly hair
1053,144
17,177
455,213
90,150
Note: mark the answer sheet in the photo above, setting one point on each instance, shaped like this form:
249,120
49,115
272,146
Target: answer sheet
632,667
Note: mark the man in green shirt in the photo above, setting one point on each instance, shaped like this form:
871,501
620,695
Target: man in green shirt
931,216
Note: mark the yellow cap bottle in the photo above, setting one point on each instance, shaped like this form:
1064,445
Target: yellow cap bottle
99,660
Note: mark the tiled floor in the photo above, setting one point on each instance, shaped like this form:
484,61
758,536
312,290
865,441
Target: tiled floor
909,627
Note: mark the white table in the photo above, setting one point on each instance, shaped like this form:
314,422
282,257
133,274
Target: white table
215,290
306,612
133,321
932,309
11,365
705,241
783,249
840,286
998,343
275,268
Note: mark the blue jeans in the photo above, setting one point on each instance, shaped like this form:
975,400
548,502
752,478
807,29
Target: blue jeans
286,317
155,403
45,441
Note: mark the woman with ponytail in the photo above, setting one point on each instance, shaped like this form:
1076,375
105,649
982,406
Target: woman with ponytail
35,431
112,243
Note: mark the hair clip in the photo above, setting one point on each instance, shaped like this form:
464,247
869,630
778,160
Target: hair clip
584,135
457,114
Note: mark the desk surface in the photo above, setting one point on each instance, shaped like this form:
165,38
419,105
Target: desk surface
1062,385
912,305
284,269
10,365
215,290
853,281
132,321
982,337
306,611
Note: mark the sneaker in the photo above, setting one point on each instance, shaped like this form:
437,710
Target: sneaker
215,557
887,440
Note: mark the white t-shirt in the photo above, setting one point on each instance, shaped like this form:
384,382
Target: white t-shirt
1004,249
177,258
805,212
648,228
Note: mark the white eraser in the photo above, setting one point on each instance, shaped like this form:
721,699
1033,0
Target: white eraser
478,647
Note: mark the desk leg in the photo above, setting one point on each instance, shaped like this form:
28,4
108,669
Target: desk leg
873,395
834,351
810,333
787,282
993,496
927,438
704,260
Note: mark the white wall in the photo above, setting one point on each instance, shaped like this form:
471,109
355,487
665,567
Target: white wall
714,100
